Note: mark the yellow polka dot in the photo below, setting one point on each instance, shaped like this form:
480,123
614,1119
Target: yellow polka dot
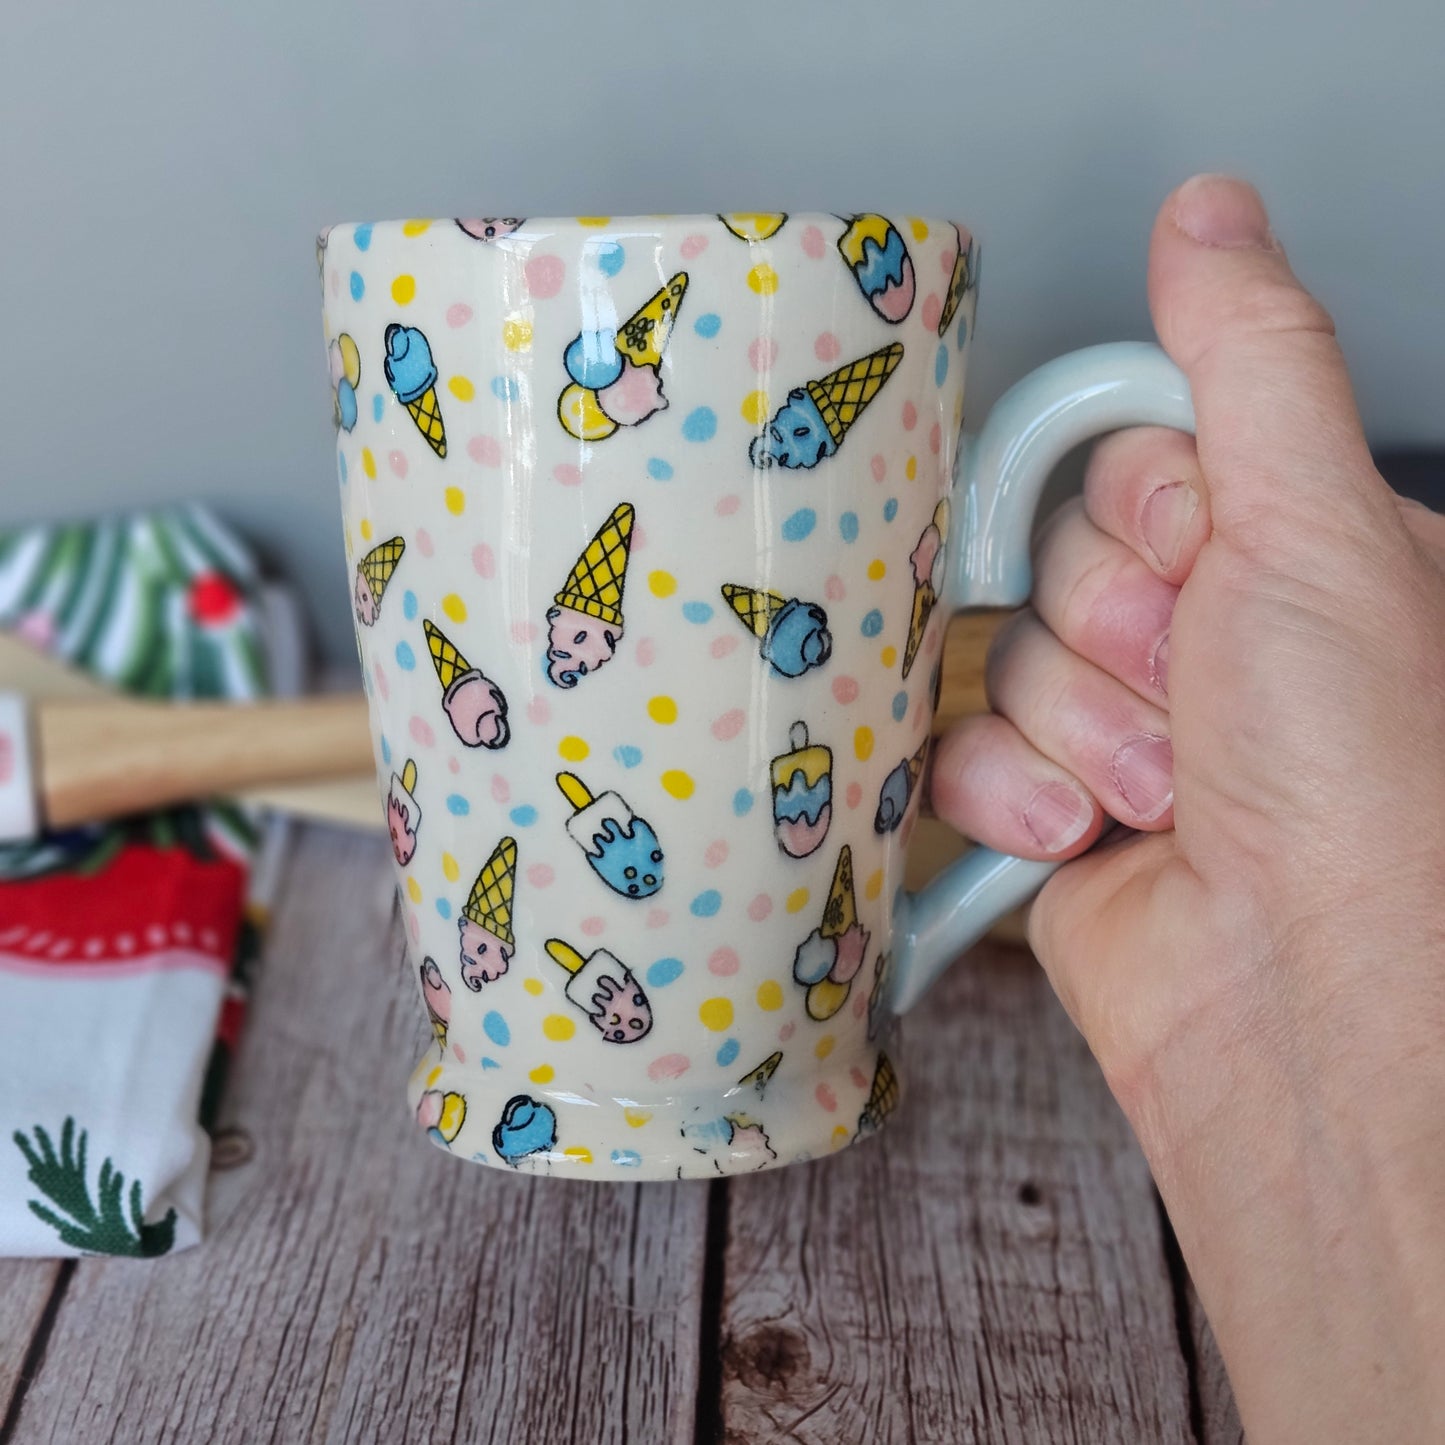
413,890
573,748
543,1073
580,1154
824,1046
454,607
874,886
636,1118
456,500
368,463
516,334
919,228
770,996
678,783
366,529
716,1014
663,584
558,1027
797,900
403,289
662,710
888,656
533,987
840,1135
450,868
863,744
432,1077
755,408
911,469
593,220
461,388
876,569
414,228
763,279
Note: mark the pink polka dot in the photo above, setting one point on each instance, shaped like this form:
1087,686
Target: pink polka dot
413,925
723,962
501,789
484,560
723,646
729,725
424,543
539,711
826,1097
544,275
459,1053
524,631
657,917
454,764
487,451
727,505
639,537
935,438
910,416
833,589
717,853
420,729
760,908
693,245
458,314
854,794
567,474
845,689
932,310
593,926
827,347
813,243
669,1066
382,685
646,652
920,713
786,1032
879,466
397,462
540,875
860,1079
860,1007
763,353
336,283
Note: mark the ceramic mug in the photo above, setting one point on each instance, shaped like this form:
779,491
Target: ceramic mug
654,527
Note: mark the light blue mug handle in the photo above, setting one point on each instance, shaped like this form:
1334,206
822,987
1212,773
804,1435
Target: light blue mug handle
1000,475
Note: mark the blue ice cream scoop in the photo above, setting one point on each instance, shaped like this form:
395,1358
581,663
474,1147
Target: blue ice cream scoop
346,404
798,639
410,370
526,1127
593,360
796,437
893,799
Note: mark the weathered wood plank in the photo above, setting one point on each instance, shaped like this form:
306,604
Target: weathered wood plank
990,1268
358,1284
26,1286
1218,1413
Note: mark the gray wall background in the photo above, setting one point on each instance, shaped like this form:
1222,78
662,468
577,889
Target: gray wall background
164,166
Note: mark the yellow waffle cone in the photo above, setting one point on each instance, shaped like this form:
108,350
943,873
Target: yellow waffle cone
882,1097
379,563
449,663
760,1076
594,586
438,1025
957,285
924,599
755,609
842,395
490,904
426,412
915,763
642,338
841,912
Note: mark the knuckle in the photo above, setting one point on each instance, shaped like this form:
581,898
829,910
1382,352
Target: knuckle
1273,305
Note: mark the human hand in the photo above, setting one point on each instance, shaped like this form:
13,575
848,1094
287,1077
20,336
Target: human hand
1237,648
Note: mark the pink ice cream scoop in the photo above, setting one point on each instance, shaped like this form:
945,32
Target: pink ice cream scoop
434,989
930,544
477,711
852,946
484,956
577,644
401,828
367,610
634,396
429,1109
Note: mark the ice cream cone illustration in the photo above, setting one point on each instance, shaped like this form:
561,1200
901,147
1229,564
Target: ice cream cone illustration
373,573
586,624
792,635
880,264
754,225
345,363
927,560
603,987
816,417
437,996
486,922
621,847
802,781
964,278
829,958
473,703
403,814
412,375
878,1013
491,228
882,1097
897,791
616,377
526,1127
441,1115
760,1077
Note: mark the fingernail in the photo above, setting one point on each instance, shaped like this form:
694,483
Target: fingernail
1165,518
1222,212
1143,771
1057,816
1159,665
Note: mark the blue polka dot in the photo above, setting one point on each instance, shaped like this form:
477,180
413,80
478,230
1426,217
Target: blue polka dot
408,604
800,524
444,908
700,425
890,509
742,802
962,337
664,972
377,406
490,1064
659,470
708,324
505,388
358,286
848,526
705,905
629,757
900,705
729,1052
697,611
362,237
872,624
626,1158
341,466
405,657
458,806
610,258
524,816
385,750
940,366
495,1028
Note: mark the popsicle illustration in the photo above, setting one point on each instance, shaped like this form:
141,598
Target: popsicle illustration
829,958
586,624
897,791
754,225
487,943
345,363
474,704
802,794
412,375
403,814
491,228
437,995
964,278
882,1097
927,560
603,987
621,847
373,573
813,421
792,635
526,1127
880,264
441,1115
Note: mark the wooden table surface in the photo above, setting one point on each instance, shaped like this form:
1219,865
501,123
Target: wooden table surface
994,1266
